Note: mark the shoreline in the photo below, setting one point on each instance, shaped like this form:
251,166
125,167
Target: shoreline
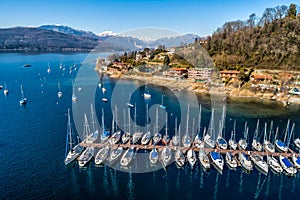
204,89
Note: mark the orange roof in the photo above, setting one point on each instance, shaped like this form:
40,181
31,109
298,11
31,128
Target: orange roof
262,76
178,69
229,72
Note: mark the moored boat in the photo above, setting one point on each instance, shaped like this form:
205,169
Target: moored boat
115,154
153,156
179,158
274,164
287,166
102,155
217,160
127,157
146,138
86,156
204,160
230,160
296,161
260,163
245,162
191,158
166,156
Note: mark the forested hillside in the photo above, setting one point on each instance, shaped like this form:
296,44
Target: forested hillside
271,41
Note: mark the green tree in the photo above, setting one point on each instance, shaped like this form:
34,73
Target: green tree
166,60
292,12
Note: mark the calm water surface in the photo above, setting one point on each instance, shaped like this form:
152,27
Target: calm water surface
32,142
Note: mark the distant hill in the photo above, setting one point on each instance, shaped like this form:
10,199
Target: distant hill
272,41
59,38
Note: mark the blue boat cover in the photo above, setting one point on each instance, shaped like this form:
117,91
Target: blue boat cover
221,141
286,162
280,143
298,160
215,155
106,133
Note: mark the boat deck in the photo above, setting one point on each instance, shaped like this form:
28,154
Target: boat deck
290,153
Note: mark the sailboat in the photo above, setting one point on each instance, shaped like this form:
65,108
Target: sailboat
256,145
287,166
268,146
217,160
179,158
74,97
166,155
147,95
162,102
208,140
102,155
5,91
49,69
153,156
198,142
116,136
157,136
130,105
147,136
242,144
191,157
91,138
260,163
232,143
127,157
221,142
126,136
282,145
86,156
175,138
61,66
274,164
59,93
23,99
115,154
296,161
230,160
297,143
72,152
245,162
88,153
186,139
204,160
106,133
166,137
137,135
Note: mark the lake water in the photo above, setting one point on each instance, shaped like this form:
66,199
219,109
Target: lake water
32,139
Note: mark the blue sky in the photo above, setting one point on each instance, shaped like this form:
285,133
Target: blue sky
184,16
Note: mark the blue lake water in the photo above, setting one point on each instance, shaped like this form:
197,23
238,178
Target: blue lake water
32,141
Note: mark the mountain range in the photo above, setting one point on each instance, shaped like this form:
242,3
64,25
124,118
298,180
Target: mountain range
59,38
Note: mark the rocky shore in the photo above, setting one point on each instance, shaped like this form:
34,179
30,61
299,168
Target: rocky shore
204,89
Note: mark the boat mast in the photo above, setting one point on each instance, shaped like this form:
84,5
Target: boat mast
70,131
271,130
193,127
135,122
166,124
290,135
129,119
265,132
113,123
93,119
256,130
286,130
175,126
277,129
211,123
116,117
234,124
147,118
199,119
103,125
156,118
187,120
87,130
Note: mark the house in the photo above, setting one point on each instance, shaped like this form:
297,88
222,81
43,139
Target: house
200,74
261,77
120,65
232,74
177,73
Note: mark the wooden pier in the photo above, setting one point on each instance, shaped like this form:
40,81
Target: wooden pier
149,147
